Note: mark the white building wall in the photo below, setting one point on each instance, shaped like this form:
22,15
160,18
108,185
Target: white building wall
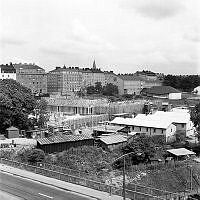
175,95
7,75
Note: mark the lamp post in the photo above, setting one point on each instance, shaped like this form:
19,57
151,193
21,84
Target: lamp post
124,178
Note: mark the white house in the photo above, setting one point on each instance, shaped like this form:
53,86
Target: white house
7,72
149,127
197,90
178,116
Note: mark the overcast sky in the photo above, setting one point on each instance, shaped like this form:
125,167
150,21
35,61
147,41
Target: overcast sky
121,35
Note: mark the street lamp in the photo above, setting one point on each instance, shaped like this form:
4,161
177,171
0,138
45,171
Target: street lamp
124,181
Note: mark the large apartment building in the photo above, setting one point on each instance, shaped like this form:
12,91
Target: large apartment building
64,80
134,83
7,72
32,77
111,77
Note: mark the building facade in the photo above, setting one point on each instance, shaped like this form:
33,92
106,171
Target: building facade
131,84
7,72
112,78
64,80
32,77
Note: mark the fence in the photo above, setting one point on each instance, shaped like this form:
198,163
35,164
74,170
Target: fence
136,192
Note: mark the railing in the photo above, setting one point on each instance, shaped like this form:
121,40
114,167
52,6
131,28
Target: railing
135,193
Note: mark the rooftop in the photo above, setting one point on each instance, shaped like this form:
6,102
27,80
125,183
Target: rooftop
27,66
142,123
181,152
108,128
159,90
113,139
62,139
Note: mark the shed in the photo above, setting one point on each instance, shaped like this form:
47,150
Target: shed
112,142
12,132
63,142
180,153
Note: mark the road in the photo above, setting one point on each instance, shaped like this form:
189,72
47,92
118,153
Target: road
31,190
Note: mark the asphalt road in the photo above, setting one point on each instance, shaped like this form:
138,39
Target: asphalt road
31,190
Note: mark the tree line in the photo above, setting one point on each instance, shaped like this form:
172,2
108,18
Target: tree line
183,83
107,90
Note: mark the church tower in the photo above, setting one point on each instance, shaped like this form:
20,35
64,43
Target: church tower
94,65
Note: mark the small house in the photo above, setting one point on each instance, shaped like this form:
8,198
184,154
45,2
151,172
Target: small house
12,132
112,142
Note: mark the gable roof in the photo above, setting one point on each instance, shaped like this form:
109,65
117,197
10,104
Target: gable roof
159,90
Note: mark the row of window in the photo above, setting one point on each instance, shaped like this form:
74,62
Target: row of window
147,129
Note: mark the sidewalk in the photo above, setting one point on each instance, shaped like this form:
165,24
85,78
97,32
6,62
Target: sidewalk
59,184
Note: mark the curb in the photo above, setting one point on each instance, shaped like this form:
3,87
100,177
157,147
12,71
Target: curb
52,185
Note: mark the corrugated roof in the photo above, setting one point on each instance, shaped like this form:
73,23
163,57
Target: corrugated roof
159,90
113,139
142,123
181,152
108,128
63,138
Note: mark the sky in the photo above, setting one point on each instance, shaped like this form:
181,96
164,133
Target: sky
121,35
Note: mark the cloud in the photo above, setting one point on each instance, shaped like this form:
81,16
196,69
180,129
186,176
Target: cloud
155,9
192,35
6,40
82,35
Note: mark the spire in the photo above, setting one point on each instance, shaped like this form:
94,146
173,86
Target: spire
94,65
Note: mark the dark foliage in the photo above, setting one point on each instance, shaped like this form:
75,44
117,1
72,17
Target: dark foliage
183,83
195,116
16,102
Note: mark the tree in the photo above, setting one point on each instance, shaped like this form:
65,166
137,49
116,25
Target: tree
16,103
110,89
91,90
195,116
41,113
142,148
98,87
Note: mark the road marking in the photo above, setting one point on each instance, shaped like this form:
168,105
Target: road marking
45,195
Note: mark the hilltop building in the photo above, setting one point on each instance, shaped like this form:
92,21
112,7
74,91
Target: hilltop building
7,72
31,76
64,80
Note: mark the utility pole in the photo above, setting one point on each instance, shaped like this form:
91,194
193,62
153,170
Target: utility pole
124,181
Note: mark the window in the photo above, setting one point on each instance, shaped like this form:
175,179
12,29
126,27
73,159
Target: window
147,129
183,125
140,128
133,128
154,130
162,130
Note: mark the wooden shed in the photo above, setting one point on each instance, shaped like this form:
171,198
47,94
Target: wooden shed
12,132
112,142
63,142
